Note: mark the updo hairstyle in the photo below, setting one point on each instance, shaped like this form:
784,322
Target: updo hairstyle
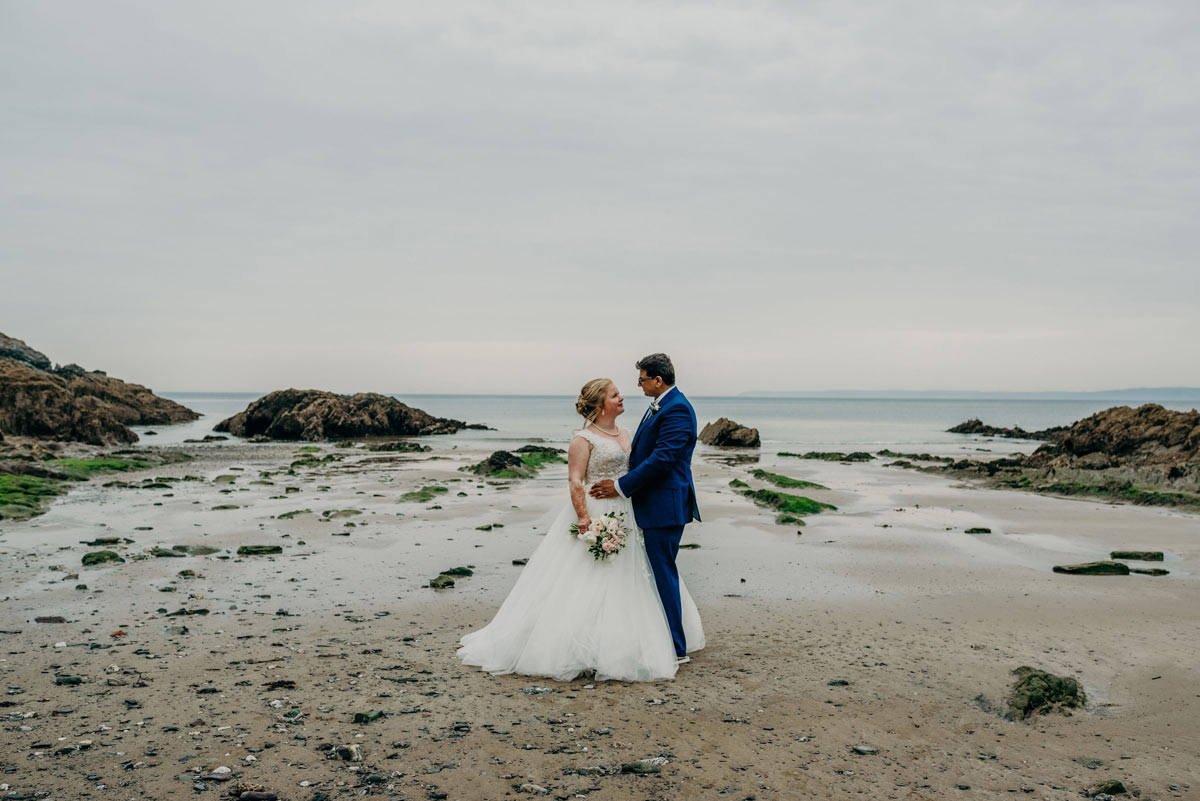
591,399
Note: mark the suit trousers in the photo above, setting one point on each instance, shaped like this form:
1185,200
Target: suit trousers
662,546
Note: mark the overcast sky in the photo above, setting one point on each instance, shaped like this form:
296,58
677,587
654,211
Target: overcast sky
515,197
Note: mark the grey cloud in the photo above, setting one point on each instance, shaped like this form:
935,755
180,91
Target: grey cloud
449,197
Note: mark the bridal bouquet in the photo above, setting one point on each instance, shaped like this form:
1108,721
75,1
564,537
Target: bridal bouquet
605,536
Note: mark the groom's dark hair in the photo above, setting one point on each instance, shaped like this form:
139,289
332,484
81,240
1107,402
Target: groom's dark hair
658,364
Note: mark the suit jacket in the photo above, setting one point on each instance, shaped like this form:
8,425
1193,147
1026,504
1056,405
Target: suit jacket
659,481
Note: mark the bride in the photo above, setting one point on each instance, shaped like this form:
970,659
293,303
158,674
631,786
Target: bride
570,613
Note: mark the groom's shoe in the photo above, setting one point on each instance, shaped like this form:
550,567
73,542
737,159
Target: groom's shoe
679,660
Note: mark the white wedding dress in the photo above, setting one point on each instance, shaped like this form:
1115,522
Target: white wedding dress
570,613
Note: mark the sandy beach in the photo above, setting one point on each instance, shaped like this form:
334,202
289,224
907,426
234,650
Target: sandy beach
880,625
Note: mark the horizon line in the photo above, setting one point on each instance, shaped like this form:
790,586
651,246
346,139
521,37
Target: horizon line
827,393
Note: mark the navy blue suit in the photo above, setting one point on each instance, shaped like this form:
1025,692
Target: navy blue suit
659,483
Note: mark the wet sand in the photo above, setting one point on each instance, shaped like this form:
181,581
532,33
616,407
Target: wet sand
923,622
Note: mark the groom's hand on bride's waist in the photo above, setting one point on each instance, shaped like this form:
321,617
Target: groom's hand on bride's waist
604,489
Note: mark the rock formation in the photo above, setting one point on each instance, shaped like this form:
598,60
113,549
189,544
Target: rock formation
725,432
977,426
18,351
311,414
1148,434
70,403
1149,455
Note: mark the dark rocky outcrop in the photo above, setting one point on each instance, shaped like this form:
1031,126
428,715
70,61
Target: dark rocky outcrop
1116,437
72,404
978,427
310,414
1149,456
1149,434
726,433
17,350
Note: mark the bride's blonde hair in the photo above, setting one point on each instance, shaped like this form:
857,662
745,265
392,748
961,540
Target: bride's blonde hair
591,398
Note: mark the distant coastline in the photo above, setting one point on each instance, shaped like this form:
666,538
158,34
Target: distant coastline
1141,394
1138,394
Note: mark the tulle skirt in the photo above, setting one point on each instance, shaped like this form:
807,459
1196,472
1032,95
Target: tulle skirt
570,614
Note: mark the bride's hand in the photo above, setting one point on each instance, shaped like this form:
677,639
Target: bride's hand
584,523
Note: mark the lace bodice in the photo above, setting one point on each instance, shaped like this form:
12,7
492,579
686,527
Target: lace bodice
608,459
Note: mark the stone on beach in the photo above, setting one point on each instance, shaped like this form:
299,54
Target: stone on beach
726,433
399,446
1108,787
1101,568
100,557
524,463
831,456
349,753
368,717
1141,556
259,550
1038,691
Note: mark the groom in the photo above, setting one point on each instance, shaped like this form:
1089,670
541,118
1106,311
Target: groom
659,481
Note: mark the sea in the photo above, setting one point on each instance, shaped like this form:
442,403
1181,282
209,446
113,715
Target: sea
903,424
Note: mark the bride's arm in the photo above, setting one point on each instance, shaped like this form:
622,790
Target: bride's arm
578,453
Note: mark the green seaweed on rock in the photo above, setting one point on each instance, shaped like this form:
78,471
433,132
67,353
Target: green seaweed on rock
790,507
1139,495
1037,691
100,557
536,457
423,495
82,469
786,482
23,497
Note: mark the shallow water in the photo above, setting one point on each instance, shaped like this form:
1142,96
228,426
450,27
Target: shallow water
901,424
